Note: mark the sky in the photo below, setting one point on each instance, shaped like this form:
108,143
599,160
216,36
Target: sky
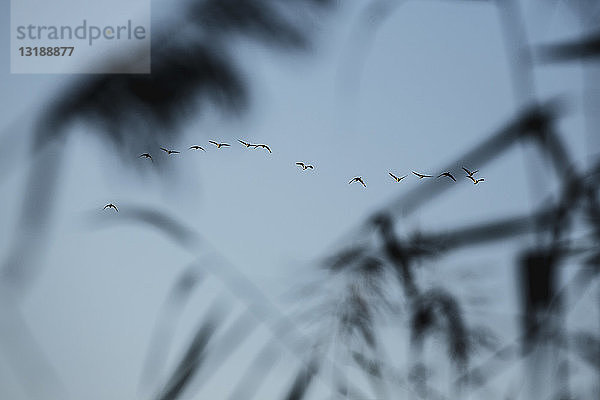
433,82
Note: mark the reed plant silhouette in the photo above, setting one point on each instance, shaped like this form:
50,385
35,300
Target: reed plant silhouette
371,283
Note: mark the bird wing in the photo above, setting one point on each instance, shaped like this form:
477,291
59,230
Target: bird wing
467,171
363,183
393,176
471,178
310,166
448,174
106,206
225,144
268,148
244,143
300,164
352,180
174,152
165,150
213,142
418,174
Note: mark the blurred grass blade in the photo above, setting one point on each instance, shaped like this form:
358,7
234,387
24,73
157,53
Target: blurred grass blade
166,323
227,343
19,348
303,380
195,354
587,347
257,373
585,48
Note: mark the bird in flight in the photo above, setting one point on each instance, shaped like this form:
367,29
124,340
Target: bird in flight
146,155
421,176
245,143
169,152
264,146
111,205
304,166
196,147
476,181
219,145
397,179
358,179
470,173
448,174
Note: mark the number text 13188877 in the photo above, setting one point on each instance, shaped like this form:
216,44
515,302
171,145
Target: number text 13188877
46,51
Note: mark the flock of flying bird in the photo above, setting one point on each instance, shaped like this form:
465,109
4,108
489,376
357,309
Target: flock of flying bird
469,175
359,179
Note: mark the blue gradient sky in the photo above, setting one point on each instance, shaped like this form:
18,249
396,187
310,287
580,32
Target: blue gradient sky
434,82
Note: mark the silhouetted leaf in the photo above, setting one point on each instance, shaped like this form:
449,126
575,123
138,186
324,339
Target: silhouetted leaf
587,347
194,355
574,50
437,310
259,18
303,380
255,376
161,337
